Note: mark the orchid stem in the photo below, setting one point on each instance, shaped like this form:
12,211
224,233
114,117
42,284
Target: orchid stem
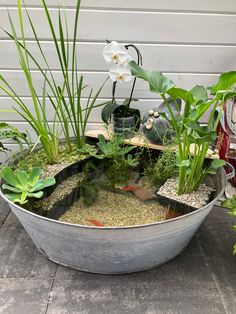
139,62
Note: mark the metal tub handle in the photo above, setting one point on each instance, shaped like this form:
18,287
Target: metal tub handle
231,174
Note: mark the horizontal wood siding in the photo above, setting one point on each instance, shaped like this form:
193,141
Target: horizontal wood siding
191,41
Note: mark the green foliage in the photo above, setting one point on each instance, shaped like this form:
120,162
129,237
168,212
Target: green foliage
119,161
64,97
9,132
161,169
38,158
89,187
231,204
192,138
24,185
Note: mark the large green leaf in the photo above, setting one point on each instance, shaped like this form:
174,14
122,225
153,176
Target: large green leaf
158,83
108,110
199,140
217,163
225,82
201,130
199,93
176,93
200,110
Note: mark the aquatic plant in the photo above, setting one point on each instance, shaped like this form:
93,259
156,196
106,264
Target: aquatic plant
192,138
89,186
65,98
24,185
119,161
161,168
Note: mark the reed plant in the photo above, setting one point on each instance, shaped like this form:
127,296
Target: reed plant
69,115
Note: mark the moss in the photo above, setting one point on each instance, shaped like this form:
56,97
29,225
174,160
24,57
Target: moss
38,158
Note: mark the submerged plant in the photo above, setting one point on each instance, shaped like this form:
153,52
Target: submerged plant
231,204
193,139
89,187
65,98
9,132
24,185
162,168
119,161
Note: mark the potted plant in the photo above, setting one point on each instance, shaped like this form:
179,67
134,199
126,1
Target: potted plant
126,120
192,138
121,227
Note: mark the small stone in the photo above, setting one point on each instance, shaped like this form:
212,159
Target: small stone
149,123
151,112
156,114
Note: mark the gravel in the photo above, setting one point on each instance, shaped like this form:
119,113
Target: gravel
195,199
116,210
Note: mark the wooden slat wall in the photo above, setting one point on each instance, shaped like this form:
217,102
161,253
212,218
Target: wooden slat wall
191,41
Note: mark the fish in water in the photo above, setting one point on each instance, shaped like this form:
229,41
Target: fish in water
138,190
96,223
130,188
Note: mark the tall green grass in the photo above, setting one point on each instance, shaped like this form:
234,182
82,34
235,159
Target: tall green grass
65,98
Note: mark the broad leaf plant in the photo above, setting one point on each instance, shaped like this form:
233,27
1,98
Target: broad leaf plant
192,138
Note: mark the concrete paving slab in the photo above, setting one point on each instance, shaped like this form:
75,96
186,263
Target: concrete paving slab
19,257
24,296
218,254
184,285
201,280
4,211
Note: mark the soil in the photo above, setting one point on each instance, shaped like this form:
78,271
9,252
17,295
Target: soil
115,210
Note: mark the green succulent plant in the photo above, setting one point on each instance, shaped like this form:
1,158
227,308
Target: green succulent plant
231,204
24,185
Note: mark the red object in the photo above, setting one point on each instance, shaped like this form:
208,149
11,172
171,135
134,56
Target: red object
226,130
96,223
130,188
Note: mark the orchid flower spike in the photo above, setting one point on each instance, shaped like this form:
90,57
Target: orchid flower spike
116,53
120,73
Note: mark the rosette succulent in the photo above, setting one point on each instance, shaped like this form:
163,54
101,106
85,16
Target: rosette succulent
23,185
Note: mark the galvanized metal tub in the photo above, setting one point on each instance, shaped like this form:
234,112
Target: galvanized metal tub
115,250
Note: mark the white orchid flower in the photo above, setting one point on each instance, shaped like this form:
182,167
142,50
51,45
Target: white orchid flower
116,53
120,73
